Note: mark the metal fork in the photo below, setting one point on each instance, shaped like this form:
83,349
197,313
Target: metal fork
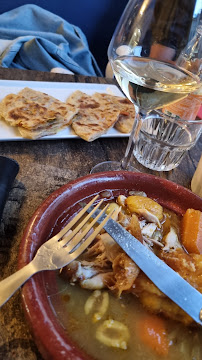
58,251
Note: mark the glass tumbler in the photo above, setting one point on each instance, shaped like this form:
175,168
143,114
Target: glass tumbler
164,140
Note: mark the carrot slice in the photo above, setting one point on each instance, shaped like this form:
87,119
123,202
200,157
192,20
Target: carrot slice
191,231
152,333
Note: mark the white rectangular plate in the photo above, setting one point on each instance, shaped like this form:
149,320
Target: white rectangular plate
60,91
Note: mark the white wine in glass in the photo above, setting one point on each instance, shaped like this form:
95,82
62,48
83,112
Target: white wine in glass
151,38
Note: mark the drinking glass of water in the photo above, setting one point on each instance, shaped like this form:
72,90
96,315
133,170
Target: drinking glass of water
164,140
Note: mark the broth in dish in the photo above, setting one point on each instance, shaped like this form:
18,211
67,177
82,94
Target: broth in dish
111,309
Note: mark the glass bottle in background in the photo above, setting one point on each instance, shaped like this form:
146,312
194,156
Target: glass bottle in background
191,59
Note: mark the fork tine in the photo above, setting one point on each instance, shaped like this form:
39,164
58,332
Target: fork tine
68,237
62,232
75,254
71,245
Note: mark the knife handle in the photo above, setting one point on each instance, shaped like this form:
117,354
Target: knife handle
8,171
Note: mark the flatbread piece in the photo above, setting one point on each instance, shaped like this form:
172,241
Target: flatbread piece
127,111
94,118
36,114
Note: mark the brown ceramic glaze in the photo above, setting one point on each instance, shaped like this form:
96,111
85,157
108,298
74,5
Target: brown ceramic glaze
52,340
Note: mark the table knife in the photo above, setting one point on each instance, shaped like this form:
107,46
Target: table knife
164,277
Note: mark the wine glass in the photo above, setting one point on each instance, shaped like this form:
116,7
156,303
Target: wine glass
143,53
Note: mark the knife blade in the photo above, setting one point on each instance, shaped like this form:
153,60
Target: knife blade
164,277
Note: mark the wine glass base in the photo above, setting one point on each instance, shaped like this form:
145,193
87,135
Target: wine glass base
110,166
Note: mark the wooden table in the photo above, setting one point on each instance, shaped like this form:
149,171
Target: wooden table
45,165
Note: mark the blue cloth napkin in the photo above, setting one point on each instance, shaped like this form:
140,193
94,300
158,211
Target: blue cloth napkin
42,40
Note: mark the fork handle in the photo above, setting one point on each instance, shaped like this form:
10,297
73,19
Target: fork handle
11,284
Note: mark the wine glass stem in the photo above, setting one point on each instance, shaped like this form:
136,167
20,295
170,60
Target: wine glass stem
139,117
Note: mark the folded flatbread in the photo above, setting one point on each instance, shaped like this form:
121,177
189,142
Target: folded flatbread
94,117
36,114
127,111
